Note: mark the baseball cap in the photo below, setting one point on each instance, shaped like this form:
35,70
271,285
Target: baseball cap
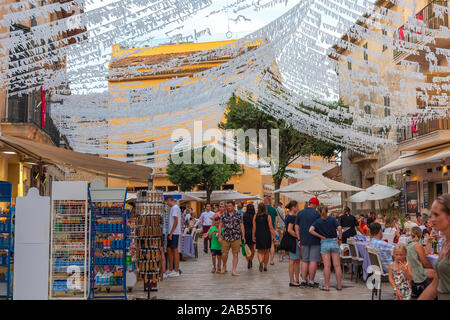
314,200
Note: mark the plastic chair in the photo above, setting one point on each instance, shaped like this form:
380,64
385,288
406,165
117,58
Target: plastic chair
356,259
375,261
344,257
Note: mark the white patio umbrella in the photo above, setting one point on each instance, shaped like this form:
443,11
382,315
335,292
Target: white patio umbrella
318,185
375,192
329,199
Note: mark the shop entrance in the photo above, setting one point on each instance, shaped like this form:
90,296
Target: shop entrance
441,188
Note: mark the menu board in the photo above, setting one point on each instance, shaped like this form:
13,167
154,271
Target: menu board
412,202
426,195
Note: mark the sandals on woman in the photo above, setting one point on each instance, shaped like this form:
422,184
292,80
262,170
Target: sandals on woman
324,289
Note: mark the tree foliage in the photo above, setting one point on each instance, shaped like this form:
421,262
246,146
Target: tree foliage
210,176
293,144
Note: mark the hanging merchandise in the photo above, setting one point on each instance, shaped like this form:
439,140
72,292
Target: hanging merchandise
149,237
108,249
131,248
69,240
6,241
294,65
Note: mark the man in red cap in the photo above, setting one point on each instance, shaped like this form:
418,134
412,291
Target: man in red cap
309,244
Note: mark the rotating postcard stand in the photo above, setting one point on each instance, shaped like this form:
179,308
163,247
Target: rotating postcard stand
108,241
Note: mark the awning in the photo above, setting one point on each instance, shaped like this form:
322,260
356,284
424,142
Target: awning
317,185
216,196
87,162
417,158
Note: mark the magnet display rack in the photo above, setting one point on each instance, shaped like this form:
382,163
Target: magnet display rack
148,234
6,241
69,240
108,241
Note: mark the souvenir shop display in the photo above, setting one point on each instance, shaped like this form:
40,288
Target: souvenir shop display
131,250
69,240
108,240
6,241
149,220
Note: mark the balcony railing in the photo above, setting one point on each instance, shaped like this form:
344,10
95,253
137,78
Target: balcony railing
423,128
22,110
431,21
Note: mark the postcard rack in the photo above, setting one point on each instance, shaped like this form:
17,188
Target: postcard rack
69,240
148,234
108,241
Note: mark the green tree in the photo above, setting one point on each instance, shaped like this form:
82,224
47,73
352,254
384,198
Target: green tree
293,144
210,176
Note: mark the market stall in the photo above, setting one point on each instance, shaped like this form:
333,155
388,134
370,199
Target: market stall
149,222
69,240
108,240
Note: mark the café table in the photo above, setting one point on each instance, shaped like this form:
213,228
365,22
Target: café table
186,244
432,259
363,253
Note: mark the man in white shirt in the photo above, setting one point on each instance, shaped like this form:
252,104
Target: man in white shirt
172,237
206,219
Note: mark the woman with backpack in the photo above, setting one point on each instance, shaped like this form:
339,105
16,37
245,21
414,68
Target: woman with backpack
294,258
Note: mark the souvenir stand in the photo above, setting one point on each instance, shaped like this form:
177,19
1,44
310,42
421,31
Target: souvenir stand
6,243
69,240
149,220
108,240
131,251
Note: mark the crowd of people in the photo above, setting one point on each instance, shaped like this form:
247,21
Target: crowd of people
313,235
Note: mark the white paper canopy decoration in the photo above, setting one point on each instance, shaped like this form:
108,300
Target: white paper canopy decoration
375,192
301,46
317,185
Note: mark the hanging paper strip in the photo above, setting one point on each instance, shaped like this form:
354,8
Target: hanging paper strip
43,107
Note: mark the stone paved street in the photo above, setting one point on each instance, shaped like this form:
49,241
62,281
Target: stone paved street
197,282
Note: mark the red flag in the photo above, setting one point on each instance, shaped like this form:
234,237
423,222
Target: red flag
400,33
43,107
414,126
419,16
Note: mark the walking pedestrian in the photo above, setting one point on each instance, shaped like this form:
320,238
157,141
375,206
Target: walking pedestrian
274,218
222,209
216,246
327,228
281,226
263,234
206,219
248,227
240,208
294,258
309,244
172,238
348,223
233,230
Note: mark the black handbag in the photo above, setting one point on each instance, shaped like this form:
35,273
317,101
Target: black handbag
288,243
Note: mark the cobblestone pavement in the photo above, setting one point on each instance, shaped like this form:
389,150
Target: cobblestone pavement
197,282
